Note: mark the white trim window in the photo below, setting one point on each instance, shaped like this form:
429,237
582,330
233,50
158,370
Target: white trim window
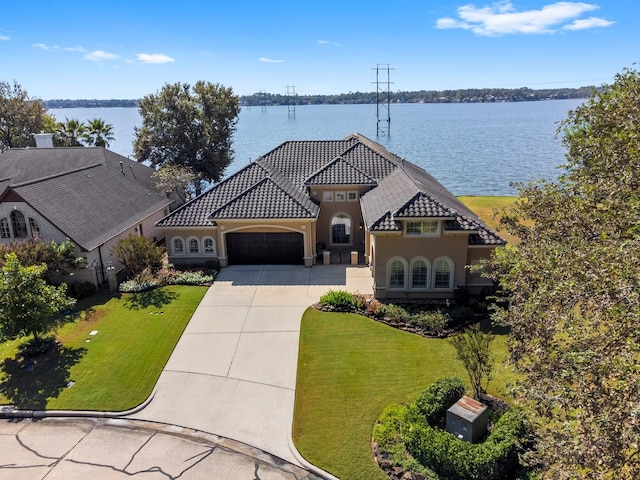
341,229
397,273
419,273
5,232
422,228
35,228
194,246
443,273
177,246
18,224
209,246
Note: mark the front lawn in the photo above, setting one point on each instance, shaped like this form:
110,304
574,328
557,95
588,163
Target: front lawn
114,369
349,369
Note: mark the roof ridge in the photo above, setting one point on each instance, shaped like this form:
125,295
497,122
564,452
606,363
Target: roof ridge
55,175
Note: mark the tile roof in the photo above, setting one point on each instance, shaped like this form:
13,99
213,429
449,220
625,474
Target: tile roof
340,172
82,191
274,186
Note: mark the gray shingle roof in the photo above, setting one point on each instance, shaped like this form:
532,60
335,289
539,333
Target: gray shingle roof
82,191
275,186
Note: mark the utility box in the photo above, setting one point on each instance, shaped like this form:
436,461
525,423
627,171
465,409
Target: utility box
467,419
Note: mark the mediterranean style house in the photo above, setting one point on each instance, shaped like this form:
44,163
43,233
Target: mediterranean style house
305,200
89,195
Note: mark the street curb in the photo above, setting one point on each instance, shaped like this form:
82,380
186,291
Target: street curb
306,465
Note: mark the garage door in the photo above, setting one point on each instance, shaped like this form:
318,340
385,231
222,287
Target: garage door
265,248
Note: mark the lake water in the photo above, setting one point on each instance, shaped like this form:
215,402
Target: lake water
472,149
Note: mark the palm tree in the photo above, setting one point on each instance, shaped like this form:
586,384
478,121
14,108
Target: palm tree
70,133
99,133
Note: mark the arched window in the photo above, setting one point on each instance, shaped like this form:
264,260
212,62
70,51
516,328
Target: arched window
209,246
443,273
397,271
4,228
35,228
178,246
194,246
341,229
420,273
19,224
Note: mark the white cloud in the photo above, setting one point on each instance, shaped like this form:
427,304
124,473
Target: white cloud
100,55
45,47
328,42
156,58
502,18
269,60
74,49
591,22
4,37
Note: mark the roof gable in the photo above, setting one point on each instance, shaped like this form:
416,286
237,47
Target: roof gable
266,199
340,172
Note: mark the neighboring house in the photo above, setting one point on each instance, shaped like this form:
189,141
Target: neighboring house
346,195
91,196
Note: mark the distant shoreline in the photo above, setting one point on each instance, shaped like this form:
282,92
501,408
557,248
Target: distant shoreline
476,95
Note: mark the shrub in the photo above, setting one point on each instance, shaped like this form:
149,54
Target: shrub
191,278
393,312
132,286
137,254
409,434
435,321
338,299
79,290
434,402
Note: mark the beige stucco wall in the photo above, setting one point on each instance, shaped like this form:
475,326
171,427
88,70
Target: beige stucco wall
474,280
386,246
329,208
218,233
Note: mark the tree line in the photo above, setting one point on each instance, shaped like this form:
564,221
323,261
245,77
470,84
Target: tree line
469,95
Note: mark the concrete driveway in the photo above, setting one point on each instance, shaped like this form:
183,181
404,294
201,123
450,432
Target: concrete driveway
233,372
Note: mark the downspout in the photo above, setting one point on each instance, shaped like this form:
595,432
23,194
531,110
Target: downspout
101,264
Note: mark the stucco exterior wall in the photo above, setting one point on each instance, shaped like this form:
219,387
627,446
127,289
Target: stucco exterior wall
48,231
218,234
474,281
336,200
447,246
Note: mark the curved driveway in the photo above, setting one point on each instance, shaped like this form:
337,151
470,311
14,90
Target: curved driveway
233,372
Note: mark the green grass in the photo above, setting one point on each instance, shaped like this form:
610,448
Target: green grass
484,207
117,368
349,369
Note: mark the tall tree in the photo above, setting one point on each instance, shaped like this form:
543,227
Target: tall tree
98,133
27,303
20,117
572,287
70,133
186,126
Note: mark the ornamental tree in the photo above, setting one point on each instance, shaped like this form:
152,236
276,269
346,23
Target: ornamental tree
572,290
190,127
27,303
473,350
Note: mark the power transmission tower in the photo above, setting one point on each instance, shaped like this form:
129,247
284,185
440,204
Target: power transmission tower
291,100
383,100
263,101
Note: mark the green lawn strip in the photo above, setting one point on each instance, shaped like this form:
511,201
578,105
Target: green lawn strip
119,366
484,207
350,368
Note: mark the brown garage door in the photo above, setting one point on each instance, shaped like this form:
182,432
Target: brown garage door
265,248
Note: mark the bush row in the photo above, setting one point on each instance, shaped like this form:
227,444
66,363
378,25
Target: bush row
431,321
412,436
167,275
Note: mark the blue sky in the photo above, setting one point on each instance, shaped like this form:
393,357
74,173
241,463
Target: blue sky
127,49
